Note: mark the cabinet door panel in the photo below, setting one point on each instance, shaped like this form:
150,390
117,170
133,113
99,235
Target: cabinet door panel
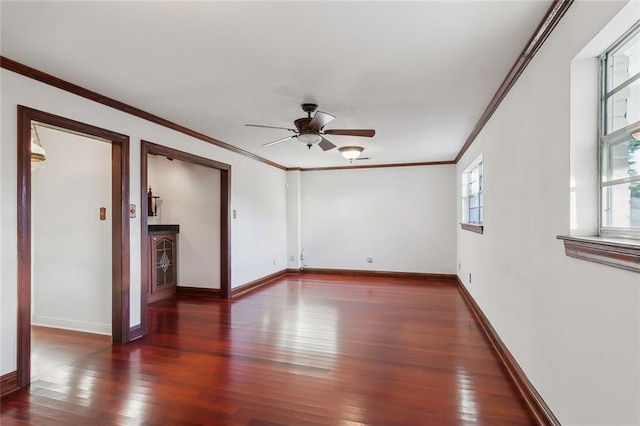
162,265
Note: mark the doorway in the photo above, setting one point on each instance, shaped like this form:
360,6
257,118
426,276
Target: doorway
149,148
71,247
119,217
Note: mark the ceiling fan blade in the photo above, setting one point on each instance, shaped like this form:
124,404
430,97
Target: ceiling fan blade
280,140
320,120
270,127
367,133
326,145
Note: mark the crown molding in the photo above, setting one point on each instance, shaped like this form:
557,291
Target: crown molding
51,80
545,27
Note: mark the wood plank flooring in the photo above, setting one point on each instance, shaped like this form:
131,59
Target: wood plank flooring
305,350
52,348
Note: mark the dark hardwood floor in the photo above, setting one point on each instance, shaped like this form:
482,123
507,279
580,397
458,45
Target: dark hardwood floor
53,348
310,349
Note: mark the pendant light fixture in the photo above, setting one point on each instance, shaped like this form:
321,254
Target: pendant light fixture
38,154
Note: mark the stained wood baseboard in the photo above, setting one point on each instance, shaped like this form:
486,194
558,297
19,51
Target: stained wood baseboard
251,286
8,383
198,291
381,274
534,401
135,332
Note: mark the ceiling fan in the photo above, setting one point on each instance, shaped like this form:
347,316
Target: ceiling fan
310,130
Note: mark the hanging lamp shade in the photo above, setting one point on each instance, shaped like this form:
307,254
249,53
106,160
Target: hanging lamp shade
351,152
38,154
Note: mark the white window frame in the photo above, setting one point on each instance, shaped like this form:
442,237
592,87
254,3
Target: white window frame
610,138
473,188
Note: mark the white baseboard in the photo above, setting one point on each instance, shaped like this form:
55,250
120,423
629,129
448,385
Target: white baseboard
65,324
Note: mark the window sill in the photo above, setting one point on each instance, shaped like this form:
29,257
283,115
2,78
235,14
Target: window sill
617,252
473,227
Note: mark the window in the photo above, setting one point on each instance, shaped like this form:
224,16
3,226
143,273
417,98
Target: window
620,137
472,194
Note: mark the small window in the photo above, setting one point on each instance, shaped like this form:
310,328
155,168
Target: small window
620,138
472,193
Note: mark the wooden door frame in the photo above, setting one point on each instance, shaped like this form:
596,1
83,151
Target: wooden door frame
225,206
120,251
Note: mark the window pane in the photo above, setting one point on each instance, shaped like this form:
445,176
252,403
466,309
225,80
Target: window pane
623,160
623,107
621,206
474,215
624,62
474,202
472,192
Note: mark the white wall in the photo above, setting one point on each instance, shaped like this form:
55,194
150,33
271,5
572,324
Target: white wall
403,217
71,263
190,197
573,326
294,218
258,192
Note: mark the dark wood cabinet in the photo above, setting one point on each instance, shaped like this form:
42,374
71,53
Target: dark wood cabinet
163,268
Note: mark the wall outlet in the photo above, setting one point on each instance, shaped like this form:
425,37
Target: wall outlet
274,260
459,265
292,258
369,259
469,277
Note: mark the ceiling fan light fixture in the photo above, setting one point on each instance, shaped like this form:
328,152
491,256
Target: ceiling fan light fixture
351,152
309,138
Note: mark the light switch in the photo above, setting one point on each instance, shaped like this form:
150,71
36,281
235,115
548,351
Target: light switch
103,213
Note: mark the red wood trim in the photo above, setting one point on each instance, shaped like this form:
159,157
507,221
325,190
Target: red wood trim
619,253
225,234
548,23
381,274
532,398
145,273
24,248
251,286
373,166
51,80
8,383
473,227
198,291
120,228
120,247
135,332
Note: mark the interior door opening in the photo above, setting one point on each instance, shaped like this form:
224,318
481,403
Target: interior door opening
71,246
183,215
116,310
190,195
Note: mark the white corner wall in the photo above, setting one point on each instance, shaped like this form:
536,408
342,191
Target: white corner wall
258,192
573,326
294,217
71,246
190,197
402,217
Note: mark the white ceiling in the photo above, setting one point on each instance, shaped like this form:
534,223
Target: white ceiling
421,73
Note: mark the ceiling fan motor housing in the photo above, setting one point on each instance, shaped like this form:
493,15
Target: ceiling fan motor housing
302,124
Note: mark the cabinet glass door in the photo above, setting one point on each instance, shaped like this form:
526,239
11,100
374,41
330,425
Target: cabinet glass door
164,255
